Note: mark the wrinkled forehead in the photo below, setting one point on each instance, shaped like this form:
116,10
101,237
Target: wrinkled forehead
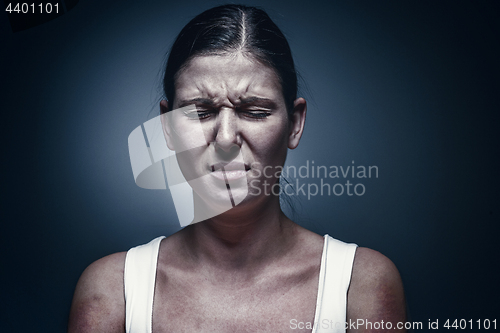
227,78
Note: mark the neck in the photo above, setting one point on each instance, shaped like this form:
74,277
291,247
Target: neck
242,239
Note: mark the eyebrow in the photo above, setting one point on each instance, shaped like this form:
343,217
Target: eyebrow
205,101
266,102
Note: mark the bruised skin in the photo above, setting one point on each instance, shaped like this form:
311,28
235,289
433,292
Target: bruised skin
197,291
99,302
376,292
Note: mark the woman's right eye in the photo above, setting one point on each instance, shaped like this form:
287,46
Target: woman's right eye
200,114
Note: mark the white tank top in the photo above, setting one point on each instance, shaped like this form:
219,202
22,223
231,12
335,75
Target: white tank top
331,304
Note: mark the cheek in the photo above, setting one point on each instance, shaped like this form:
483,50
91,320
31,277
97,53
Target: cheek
188,135
271,145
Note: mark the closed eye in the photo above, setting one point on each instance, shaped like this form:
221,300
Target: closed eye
256,114
201,113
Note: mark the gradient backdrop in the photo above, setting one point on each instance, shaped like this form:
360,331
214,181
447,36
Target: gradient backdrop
411,87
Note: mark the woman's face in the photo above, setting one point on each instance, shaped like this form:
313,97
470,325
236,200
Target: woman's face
238,131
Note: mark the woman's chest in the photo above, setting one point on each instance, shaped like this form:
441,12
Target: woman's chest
277,305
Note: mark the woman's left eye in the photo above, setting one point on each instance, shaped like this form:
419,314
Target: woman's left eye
257,114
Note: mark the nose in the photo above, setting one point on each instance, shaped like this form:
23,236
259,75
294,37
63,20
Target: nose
227,137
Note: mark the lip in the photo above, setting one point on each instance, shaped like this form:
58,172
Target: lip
229,171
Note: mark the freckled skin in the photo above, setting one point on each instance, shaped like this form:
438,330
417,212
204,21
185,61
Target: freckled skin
376,291
250,269
99,304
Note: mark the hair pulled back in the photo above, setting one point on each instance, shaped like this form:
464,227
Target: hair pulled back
229,29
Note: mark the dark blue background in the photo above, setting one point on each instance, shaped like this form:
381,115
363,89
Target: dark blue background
411,87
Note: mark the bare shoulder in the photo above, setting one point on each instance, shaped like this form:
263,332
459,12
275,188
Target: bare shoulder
376,291
98,303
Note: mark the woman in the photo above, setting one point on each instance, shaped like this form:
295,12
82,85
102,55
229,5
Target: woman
230,84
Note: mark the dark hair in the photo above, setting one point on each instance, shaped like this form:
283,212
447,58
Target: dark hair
233,28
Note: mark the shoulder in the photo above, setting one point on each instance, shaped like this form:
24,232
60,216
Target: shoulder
376,290
373,267
99,303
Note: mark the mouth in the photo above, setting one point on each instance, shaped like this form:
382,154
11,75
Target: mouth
229,171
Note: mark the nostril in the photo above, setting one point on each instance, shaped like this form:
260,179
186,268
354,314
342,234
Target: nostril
235,149
227,153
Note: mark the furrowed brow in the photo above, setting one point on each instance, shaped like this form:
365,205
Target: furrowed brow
204,101
259,101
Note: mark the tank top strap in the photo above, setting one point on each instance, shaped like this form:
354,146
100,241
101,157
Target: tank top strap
139,282
334,280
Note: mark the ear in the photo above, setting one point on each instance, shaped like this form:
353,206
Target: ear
297,122
165,124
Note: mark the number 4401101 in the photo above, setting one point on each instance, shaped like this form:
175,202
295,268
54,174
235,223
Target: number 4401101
25,8
462,324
